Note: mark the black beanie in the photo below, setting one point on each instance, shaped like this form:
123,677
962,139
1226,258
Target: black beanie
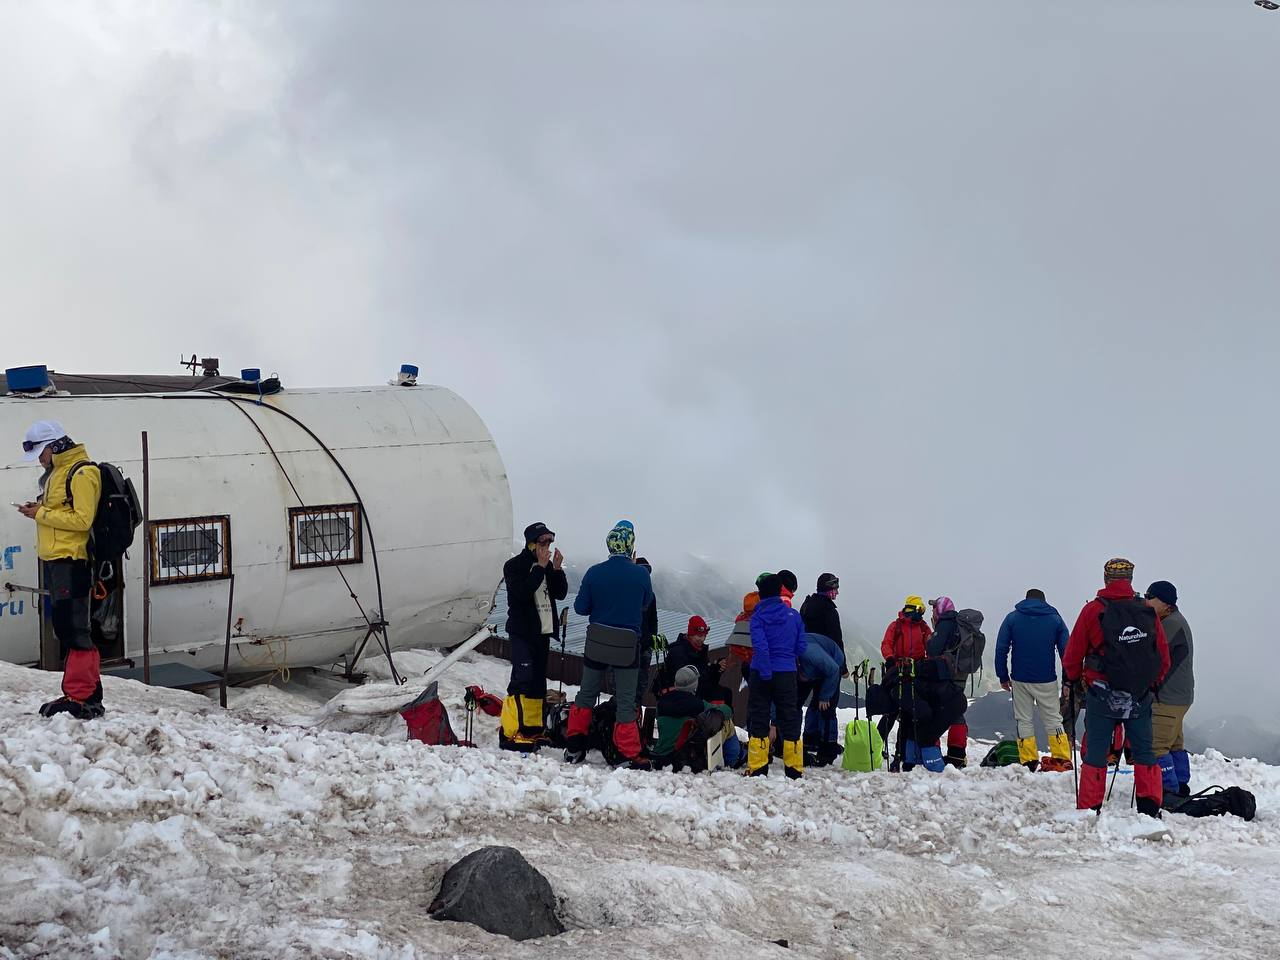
1163,590
770,586
789,580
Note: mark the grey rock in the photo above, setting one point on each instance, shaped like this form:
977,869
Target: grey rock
498,890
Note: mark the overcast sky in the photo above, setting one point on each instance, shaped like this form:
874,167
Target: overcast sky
946,298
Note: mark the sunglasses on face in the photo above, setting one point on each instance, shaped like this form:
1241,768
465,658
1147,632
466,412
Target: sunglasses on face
29,445
546,541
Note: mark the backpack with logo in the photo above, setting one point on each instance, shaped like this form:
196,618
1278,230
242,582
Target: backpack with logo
118,514
964,657
1128,657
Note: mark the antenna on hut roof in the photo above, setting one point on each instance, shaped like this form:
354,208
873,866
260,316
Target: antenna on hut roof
208,365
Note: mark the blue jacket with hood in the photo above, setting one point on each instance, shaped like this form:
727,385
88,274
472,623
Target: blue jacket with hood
1033,631
823,661
777,638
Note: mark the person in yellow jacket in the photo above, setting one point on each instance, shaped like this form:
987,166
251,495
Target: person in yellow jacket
63,526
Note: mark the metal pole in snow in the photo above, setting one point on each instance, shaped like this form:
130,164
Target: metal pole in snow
146,572
226,650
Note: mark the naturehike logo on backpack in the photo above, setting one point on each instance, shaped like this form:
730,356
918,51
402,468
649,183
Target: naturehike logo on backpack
1128,656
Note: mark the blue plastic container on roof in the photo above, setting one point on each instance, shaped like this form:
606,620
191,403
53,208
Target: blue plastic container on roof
27,378
251,374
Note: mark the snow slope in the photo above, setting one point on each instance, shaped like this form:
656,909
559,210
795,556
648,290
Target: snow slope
171,829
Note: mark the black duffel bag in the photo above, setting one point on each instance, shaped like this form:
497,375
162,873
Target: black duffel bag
1217,801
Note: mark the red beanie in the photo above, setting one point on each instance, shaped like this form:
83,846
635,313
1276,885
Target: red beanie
696,625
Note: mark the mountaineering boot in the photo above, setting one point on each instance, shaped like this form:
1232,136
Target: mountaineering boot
758,757
1149,807
793,758
1149,788
1029,753
511,735
1168,776
910,755
626,738
931,757
828,753
80,710
957,743
956,757
1182,769
576,731
1093,787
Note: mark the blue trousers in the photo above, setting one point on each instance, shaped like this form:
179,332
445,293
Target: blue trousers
1100,728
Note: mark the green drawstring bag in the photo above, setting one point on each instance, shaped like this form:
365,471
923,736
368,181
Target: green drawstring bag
863,747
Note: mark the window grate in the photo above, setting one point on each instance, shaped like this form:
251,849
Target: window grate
326,536
190,549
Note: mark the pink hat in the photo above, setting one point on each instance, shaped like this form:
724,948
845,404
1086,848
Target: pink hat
942,605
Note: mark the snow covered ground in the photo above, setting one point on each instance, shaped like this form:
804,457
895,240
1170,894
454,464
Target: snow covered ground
172,829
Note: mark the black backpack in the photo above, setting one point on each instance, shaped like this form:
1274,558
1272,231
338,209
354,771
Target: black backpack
1129,657
118,514
1216,801
965,656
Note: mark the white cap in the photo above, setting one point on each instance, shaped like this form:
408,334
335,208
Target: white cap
39,435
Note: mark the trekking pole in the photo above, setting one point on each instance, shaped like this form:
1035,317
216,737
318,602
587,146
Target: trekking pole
915,722
1075,774
858,673
564,636
871,678
1114,774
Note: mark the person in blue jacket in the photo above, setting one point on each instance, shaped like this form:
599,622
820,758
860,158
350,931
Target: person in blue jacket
614,593
778,642
821,666
1036,637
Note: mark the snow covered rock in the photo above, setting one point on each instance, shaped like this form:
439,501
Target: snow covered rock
498,890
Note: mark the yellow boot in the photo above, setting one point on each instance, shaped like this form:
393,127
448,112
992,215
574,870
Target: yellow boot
793,758
1028,753
511,736
758,757
530,717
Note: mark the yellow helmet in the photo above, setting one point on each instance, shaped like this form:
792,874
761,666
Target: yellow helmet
914,603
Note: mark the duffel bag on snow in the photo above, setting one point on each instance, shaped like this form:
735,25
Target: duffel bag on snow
1003,754
863,747
1217,801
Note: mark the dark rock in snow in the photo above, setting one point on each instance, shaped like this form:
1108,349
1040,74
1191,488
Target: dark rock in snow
498,890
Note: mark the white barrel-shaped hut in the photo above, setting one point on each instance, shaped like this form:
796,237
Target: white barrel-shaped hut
236,486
